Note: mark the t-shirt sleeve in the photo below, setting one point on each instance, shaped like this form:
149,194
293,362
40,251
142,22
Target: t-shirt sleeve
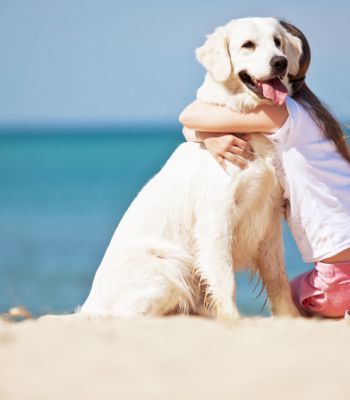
303,129
282,135
288,135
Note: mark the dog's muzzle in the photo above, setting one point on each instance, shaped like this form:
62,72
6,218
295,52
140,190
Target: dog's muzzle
279,65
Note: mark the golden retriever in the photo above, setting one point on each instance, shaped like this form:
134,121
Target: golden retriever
192,225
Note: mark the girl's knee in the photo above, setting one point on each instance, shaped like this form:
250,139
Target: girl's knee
314,294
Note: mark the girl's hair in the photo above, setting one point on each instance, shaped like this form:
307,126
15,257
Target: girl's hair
301,93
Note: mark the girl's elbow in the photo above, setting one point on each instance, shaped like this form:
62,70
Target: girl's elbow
182,118
185,118
189,115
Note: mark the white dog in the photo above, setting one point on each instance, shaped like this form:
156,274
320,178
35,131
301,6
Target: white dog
192,225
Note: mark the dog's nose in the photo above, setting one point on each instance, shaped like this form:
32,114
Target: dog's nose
279,63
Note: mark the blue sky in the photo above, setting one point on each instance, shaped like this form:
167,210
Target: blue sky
119,61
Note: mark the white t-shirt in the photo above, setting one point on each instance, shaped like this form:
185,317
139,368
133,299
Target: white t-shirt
316,181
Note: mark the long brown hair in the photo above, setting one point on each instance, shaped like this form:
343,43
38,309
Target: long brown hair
303,95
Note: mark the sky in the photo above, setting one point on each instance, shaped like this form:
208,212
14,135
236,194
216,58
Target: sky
116,61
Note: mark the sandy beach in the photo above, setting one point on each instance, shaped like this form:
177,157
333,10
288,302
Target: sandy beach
175,358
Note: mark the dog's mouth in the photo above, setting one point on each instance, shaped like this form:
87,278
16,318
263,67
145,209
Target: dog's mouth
272,89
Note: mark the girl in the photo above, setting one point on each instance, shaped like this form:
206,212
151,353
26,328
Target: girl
314,171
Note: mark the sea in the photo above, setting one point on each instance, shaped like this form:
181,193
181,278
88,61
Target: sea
63,190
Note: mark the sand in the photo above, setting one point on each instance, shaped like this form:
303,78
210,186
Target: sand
175,358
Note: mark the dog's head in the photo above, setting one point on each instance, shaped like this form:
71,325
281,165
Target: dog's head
259,54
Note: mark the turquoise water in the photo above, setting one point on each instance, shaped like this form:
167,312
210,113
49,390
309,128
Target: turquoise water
62,195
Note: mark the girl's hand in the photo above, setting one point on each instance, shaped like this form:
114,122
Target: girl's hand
231,147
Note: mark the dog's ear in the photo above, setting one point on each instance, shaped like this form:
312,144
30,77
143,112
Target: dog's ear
214,55
305,57
293,51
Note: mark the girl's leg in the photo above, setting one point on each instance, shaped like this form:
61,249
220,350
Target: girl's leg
323,291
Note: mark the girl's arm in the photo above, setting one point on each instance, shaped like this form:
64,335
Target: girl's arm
210,124
206,117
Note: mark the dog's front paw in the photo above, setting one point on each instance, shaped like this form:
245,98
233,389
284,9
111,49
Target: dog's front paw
227,315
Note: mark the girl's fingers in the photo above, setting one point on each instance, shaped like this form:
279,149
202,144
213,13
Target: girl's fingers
243,144
231,148
238,151
221,161
236,160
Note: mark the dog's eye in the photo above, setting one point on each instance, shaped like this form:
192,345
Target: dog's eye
248,45
277,42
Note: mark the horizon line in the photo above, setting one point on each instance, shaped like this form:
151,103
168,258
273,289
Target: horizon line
86,126
81,126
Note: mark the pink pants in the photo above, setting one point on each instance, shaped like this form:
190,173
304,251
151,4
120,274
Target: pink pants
323,291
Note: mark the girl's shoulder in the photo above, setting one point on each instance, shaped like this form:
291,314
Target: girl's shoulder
299,128
301,118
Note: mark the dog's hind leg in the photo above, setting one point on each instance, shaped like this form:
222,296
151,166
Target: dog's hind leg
214,264
150,278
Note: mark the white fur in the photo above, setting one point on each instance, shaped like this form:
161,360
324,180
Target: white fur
192,224
222,54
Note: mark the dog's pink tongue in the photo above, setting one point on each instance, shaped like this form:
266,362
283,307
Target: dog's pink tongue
275,90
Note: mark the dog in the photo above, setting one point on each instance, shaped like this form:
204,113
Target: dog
193,224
